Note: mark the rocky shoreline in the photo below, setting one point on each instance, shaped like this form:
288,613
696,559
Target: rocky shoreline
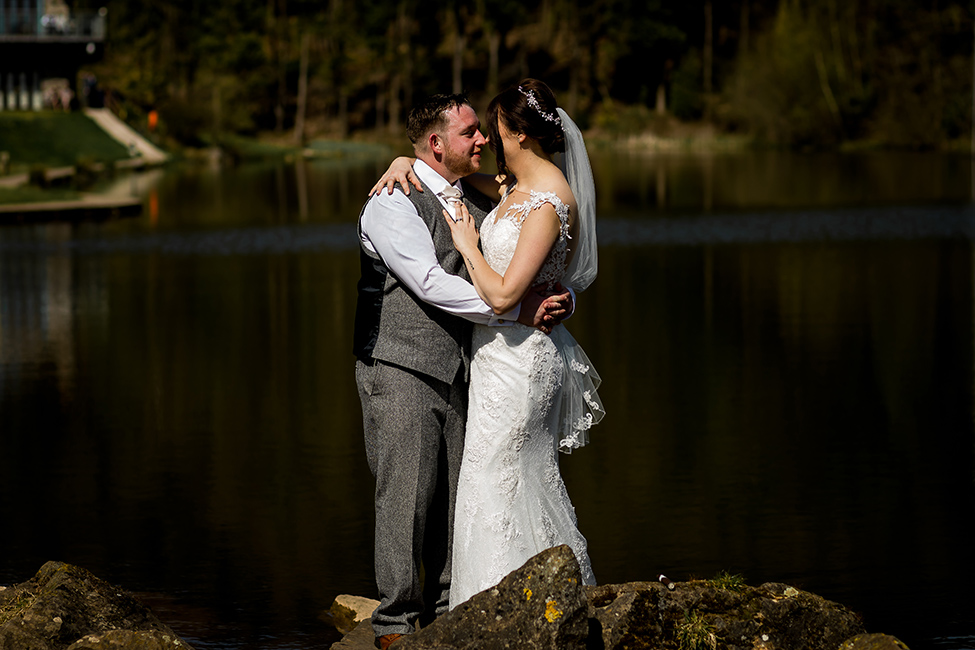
541,605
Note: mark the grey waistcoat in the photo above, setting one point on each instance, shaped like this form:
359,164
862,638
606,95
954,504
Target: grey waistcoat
393,325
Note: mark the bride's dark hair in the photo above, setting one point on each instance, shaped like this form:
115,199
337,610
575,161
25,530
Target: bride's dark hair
527,108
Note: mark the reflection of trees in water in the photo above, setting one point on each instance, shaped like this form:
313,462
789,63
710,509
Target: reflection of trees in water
209,396
37,307
640,182
768,404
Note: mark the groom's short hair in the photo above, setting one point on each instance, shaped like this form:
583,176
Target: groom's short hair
431,115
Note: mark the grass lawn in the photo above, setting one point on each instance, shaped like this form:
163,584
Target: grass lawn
54,140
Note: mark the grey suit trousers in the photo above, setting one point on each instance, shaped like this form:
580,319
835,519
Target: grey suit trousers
414,438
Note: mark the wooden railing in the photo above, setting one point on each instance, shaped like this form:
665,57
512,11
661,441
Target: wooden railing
30,23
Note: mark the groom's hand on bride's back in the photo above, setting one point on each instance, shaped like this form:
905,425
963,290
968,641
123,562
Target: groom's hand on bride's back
545,308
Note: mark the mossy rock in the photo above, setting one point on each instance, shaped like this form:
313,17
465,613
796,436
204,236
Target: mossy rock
64,604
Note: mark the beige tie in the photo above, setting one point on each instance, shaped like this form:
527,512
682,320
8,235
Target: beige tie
452,196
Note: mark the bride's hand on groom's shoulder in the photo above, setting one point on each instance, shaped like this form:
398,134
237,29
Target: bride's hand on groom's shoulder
400,171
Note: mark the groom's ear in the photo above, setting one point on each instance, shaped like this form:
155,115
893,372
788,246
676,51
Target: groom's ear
436,143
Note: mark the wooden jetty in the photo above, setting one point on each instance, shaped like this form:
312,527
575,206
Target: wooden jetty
86,208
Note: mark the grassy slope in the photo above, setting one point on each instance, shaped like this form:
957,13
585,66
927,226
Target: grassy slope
54,140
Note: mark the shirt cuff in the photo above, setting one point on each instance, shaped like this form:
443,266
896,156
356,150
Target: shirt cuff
506,319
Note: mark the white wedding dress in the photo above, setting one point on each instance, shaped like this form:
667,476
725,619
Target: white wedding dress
531,394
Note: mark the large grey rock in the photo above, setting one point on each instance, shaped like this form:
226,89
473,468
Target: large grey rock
65,606
648,615
541,605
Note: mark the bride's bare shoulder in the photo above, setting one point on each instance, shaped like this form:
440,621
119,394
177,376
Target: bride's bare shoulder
557,184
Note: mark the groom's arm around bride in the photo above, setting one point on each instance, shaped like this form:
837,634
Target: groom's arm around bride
412,333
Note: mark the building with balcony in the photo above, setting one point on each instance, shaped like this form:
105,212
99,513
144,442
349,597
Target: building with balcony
43,45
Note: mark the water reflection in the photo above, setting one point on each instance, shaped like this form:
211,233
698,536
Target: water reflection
630,182
790,396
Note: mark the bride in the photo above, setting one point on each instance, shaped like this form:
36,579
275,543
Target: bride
531,394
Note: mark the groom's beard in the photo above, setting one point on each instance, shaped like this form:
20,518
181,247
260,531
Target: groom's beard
461,165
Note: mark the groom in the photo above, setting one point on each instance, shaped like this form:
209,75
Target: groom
413,327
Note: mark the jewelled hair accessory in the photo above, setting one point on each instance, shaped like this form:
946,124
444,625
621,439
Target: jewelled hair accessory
533,102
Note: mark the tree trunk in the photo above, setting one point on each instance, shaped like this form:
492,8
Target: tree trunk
217,111
854,40
280,25
834,25
302,91
745,28
494,49
395,105
708,57
381,90
343,111
575,72
460,42
834,108
406,33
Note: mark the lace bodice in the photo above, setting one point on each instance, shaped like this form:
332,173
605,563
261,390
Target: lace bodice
499,236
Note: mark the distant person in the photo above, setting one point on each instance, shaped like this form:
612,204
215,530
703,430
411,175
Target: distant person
93,97
412,342
65,95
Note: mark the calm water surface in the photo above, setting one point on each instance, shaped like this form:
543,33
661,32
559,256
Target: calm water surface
786,344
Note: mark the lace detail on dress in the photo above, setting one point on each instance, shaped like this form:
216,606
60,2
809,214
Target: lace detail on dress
554,267
524,407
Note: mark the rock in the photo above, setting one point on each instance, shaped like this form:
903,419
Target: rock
64,606
129,640
648,615
622,615
360,638
348,611
873,642
540,605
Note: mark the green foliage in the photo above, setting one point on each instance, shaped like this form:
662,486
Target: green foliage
241,148
811,73
211,68
686,90
826,72
621,119
728,581
695,633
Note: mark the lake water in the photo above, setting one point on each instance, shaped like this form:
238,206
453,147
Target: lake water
786,343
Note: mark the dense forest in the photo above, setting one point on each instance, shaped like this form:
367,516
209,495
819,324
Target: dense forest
797,73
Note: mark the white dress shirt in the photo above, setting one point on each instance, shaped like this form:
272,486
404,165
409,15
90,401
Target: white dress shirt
392,228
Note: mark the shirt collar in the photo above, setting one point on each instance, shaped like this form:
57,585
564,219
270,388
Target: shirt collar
431,178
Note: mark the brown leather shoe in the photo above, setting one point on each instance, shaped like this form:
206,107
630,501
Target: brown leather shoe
383,642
